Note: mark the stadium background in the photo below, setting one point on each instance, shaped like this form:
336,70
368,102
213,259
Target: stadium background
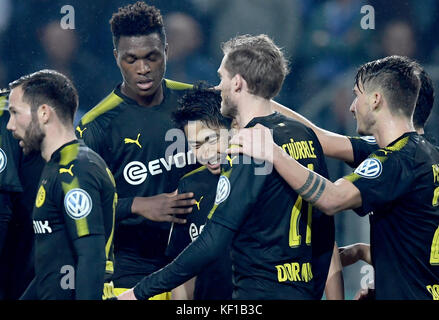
323,40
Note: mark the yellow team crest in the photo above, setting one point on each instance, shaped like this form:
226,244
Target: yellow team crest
41,197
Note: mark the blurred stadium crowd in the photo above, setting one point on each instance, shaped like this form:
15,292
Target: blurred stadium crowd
322,38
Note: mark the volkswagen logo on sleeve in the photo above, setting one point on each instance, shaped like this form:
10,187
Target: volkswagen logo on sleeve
370,168
78,203
222,190
3,160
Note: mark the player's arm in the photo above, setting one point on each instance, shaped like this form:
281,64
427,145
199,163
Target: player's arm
334,289
210,245
184,291
90,267
323,194
82,208
355,252
334,145
224,222
161,207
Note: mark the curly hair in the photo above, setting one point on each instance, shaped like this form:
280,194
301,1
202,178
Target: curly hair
137,19
203,105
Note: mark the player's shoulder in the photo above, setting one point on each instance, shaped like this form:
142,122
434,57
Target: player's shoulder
400,153
177,85
102,114
279,122
404,148
76,159
176,88
195,174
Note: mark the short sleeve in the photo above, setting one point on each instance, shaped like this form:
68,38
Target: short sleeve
237,191
362,148
381,179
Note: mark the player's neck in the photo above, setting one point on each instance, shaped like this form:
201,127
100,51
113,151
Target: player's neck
55,138
145,101
391,129
251,107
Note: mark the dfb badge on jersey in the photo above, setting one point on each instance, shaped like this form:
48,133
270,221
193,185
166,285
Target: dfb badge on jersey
222,190
78,203
370,168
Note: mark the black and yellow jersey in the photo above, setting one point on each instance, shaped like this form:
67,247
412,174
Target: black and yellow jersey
76,200
362,147
214,282
283,246
147,157
399,187
19,177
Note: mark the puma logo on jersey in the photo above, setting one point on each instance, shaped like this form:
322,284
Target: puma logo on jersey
80,131
69,170
41,227
230,160
198,202
128,140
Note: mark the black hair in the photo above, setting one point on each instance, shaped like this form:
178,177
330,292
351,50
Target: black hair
203,105
397,77
52,88
425,102
137,19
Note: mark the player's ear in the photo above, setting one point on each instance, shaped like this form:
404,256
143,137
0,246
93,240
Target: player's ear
44,113
377,99
115,54
166,50
238,83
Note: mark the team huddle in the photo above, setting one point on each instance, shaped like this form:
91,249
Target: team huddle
167,190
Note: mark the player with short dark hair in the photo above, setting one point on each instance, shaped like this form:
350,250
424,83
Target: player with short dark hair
131,130
353,150
207,133
74,208
397,184
281,246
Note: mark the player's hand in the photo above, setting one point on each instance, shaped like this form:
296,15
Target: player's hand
163,207
353,253
127,295
256,142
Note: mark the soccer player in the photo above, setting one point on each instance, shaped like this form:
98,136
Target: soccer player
353,150
131,130
19,177
206,129
281,246
397,184
73,215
